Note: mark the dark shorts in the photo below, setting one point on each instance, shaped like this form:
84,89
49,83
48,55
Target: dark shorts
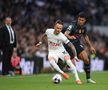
79,48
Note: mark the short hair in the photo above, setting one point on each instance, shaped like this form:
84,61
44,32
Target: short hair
83,15
7,17
59,22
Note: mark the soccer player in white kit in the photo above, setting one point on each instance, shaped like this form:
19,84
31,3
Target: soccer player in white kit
56,49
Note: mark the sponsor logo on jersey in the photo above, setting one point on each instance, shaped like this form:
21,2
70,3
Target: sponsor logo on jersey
54,44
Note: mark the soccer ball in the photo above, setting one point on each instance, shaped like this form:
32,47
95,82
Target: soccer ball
57,79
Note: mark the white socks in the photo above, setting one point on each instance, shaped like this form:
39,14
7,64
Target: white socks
55,66
69,63
73,68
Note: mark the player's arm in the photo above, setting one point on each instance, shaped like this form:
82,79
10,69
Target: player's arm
72,48
87,40
44,36
68,31
42,39
34,48
67,34
66,41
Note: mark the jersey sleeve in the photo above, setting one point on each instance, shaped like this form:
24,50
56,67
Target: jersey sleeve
69,28
64,39
46,32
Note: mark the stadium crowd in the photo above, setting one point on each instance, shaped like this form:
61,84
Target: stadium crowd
32,17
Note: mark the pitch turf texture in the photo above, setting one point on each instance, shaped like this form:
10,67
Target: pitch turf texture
43,82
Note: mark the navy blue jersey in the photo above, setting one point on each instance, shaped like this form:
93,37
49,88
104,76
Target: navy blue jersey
76,30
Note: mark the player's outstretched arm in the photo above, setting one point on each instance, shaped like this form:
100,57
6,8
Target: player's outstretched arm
41,41
68,36
35,47
87,40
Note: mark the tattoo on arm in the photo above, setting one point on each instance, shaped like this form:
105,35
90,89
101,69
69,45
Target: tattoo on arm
43,38
67,34
72,48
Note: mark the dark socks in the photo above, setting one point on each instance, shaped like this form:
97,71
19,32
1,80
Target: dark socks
87,70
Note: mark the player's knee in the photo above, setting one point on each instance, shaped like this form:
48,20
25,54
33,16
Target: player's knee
86,61
52,63
50,58
67,57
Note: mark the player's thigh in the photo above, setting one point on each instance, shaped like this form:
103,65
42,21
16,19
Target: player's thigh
81,52
84,56
53,57
64,56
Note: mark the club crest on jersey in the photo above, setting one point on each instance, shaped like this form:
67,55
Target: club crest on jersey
58,41
64,52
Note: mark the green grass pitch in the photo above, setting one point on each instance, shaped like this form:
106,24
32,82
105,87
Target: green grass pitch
44,82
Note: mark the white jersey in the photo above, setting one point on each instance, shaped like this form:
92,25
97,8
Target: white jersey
55,42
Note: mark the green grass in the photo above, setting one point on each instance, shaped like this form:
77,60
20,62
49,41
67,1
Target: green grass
43,82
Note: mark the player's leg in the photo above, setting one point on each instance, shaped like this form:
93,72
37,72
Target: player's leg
70,53
84,56
53,63
73,68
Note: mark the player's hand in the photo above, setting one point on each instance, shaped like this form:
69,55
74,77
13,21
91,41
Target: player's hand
72,37
76,58
92,49
74,62
38,44
34,48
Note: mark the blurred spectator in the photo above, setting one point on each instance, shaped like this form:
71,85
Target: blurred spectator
15,61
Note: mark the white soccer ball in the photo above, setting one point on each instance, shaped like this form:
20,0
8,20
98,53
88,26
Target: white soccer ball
57,78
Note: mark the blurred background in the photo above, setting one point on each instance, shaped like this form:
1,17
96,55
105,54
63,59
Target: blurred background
32,17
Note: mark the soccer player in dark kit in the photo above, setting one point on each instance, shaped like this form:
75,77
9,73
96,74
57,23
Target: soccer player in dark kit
74,32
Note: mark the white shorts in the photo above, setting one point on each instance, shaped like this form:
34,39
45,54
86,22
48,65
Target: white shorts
57,55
